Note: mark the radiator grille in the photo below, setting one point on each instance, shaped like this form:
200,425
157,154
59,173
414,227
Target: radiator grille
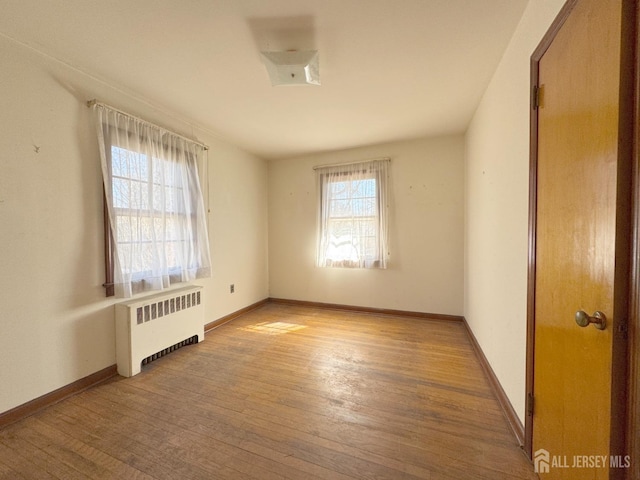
166,307
172,348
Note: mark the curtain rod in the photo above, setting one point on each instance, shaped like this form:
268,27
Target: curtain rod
381,159
95,102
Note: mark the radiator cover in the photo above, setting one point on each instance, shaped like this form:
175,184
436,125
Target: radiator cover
151,324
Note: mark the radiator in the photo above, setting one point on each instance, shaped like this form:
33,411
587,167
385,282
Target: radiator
153,325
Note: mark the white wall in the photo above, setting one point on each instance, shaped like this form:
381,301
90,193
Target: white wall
496,212
426,231
55,324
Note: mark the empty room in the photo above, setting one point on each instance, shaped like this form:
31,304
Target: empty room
304,239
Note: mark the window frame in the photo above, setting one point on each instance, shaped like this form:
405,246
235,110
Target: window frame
109,263
325,179
109,235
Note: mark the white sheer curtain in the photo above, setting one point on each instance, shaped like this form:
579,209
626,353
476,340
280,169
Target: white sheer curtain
155,204
352,215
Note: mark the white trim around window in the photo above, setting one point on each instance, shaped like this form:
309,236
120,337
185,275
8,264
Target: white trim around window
353,215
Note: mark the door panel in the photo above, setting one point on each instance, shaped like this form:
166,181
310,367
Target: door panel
576,229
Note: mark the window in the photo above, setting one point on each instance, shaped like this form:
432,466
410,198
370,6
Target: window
352,227
155,224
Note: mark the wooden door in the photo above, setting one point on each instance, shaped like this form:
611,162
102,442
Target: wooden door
581,247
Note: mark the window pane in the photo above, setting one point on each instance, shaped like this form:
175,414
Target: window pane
158,173
124,253
170,254
364,188
119,162
369,246
363,207
339,227
125,163
123,229
121,193
158,200
146,229
351,230
340,208
368,228
145,261
173,225
139,166
339,190
169,199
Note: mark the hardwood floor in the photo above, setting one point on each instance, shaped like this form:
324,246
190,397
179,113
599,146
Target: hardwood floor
284,392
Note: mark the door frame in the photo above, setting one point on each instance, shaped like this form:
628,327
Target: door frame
626,361
633,403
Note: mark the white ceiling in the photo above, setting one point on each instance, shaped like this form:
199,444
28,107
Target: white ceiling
390,69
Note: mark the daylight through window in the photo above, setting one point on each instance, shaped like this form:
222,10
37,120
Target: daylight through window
155,209
352,226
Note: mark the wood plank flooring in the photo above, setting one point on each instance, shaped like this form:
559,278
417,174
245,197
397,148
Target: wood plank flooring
284,392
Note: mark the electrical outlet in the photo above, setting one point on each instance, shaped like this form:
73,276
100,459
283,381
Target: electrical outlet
232,288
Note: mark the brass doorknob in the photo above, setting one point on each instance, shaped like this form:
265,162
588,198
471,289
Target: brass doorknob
599,319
